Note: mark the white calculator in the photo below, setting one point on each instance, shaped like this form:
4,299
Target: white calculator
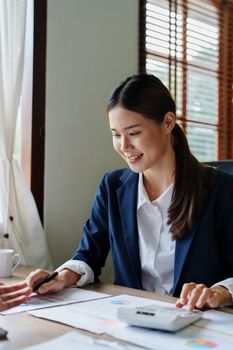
162,318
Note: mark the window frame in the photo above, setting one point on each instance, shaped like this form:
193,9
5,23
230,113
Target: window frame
225,81
38,104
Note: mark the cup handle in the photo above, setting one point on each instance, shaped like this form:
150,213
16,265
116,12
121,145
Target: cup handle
16,257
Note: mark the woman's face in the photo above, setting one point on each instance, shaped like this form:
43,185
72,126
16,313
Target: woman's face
141,142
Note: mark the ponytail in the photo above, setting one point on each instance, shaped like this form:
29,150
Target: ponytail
189,187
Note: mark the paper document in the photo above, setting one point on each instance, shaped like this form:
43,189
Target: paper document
96,316
99,316
185,339
73,340
217,321
65,296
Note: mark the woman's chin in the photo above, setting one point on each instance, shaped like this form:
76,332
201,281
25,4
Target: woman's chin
136,168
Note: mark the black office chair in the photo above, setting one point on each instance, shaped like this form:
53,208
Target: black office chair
223,165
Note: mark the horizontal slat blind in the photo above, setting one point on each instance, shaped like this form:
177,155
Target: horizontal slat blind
228,75
183,43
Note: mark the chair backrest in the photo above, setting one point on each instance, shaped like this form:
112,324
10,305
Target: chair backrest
223,165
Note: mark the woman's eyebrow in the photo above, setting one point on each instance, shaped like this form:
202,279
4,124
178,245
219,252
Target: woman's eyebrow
128,127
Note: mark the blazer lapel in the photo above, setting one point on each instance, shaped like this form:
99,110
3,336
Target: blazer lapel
182,248
127,198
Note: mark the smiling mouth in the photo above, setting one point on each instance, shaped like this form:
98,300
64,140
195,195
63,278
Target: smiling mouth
135,158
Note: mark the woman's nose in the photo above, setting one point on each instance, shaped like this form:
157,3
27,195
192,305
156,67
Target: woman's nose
125,144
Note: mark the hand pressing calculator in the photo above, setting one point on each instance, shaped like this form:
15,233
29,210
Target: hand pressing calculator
162,318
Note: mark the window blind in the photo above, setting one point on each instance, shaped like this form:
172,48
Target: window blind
188,45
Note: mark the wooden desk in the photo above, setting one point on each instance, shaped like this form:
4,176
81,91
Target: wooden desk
25,330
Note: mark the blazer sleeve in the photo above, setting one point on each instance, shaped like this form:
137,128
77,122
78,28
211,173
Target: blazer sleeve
94,245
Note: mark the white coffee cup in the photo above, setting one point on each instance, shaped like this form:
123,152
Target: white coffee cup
8,262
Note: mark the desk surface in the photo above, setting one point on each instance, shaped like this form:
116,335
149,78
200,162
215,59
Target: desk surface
25,330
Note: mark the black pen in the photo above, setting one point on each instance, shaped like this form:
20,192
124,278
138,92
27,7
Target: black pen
45,280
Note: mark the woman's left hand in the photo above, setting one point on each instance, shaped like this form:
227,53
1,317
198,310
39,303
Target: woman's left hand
198,295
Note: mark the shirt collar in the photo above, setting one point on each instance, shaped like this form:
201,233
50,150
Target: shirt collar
163,201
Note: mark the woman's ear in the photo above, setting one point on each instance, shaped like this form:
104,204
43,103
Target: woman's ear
169,122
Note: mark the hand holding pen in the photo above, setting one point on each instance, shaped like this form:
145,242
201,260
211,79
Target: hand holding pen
43,282
47,279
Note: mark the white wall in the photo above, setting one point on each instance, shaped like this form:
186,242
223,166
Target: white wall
91,45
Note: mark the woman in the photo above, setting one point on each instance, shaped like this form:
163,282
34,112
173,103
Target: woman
167,218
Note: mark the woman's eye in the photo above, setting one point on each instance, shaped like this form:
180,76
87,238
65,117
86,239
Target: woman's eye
135,133
116,135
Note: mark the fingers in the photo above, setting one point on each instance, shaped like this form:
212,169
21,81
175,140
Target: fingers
51,287
38,275
200,299
13,295
185,293
198,295
14,287
65,278
35,277
214,300
7,304
193,295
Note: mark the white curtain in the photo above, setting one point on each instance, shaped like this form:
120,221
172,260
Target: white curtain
18,213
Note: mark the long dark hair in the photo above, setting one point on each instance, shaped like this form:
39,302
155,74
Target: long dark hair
148,96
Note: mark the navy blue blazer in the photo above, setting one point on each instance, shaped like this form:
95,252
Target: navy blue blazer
204,255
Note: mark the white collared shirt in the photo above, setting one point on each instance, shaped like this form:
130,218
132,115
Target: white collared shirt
156,249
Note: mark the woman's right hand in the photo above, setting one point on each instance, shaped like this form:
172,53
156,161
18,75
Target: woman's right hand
64,279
